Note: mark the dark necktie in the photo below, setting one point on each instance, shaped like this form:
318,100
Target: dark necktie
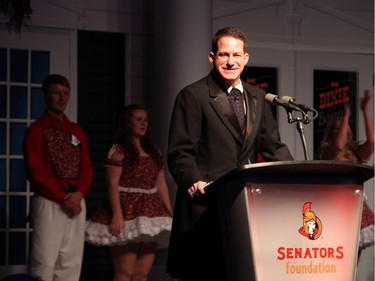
236,99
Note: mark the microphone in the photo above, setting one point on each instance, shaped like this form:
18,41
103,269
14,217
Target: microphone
196,192
292,101
273,99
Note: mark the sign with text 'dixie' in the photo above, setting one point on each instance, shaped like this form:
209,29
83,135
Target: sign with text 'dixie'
332,89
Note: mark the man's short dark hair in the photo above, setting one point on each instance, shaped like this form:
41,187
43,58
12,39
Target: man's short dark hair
234,32
54,79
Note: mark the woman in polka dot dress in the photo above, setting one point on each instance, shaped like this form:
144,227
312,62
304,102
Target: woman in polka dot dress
137,218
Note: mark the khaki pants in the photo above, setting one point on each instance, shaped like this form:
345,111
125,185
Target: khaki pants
57,241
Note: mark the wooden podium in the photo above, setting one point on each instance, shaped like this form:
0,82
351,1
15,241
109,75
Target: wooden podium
291,220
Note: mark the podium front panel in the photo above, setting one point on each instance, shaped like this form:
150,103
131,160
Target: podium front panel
290,220
304,232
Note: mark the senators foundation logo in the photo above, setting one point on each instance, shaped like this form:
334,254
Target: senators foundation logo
312,225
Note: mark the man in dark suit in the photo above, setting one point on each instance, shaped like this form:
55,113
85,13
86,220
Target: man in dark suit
206,140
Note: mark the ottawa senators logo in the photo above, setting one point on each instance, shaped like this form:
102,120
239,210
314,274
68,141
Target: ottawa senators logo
312,225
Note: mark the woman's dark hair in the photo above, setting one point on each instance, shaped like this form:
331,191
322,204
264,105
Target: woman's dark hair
123,137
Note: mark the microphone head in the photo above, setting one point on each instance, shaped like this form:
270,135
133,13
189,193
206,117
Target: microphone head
270,98
287,99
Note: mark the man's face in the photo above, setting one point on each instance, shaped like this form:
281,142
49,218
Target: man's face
230,59
57,98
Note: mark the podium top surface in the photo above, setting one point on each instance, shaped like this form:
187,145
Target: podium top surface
309,170
288,172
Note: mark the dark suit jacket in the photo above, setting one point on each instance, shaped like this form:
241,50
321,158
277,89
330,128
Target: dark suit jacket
205,142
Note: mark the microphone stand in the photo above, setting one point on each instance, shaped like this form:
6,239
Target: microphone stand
300,121
300,129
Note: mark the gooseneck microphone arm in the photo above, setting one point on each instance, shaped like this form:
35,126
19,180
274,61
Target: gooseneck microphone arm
305,108
290,108
291,100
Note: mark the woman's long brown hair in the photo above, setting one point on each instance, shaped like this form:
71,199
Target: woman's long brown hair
123,138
